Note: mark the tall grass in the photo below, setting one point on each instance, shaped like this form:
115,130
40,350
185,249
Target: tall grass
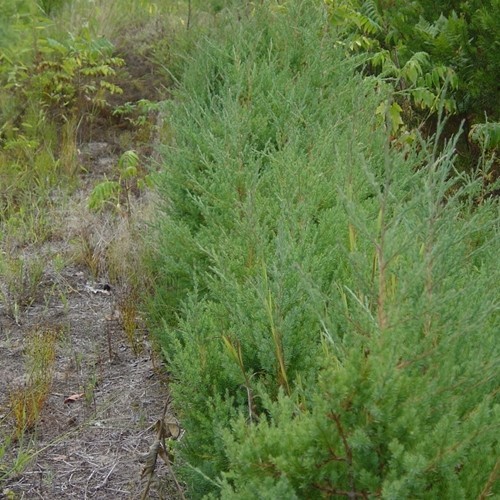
325,302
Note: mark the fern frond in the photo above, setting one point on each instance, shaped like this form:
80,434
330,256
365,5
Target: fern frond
370,9
367,25
381,59
486,134
427,29
103,193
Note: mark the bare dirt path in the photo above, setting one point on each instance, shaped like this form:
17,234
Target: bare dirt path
106,390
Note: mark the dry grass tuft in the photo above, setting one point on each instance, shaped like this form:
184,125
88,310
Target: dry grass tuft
27,402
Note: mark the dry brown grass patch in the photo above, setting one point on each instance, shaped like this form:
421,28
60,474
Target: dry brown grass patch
27,401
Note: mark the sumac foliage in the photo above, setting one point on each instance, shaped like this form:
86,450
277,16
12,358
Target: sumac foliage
437,53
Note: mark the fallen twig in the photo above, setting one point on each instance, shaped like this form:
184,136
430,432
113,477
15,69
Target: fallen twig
164,430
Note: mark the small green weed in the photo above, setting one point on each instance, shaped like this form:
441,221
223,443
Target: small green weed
141,115
11,466
118,193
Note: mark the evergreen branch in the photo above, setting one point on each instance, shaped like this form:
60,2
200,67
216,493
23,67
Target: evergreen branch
491,481
342,493
348,451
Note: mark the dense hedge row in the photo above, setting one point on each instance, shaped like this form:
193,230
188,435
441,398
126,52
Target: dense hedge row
325,303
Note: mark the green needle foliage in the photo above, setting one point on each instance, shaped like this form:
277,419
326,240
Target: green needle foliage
328,305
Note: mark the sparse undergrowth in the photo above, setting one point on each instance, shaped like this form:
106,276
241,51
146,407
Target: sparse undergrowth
75,113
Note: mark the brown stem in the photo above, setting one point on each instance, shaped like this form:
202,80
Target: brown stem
188,23
343,493
491,481
348,451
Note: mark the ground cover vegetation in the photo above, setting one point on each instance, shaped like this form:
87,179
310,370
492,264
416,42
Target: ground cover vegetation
321,272
326,291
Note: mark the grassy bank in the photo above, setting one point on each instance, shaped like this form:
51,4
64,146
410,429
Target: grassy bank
325,299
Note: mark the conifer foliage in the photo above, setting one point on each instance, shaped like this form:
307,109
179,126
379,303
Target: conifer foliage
328,306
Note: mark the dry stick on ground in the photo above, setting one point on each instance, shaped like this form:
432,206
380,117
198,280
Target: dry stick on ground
159,448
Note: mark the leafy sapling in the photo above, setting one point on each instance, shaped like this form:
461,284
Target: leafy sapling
114,192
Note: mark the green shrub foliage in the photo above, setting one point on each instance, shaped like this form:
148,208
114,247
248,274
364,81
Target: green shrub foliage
326,304
54,84
46,76
430,45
